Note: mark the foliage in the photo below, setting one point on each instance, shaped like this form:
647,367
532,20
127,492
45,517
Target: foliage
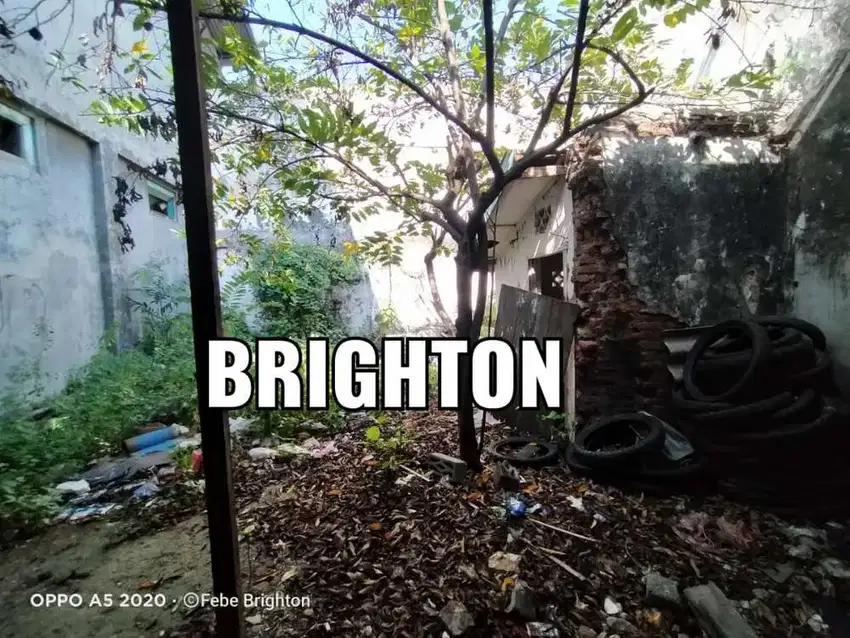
387,322
297,288
103,401
389,442
562,425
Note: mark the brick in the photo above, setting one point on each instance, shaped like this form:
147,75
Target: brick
453,467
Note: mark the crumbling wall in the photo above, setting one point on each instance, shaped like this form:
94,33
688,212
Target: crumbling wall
668,233
819,209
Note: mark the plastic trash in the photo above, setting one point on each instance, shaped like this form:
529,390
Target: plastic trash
154,437
74,487
515,506
145,490
197,461
676,446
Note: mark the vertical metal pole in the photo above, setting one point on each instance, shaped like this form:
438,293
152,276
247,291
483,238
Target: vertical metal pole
190,111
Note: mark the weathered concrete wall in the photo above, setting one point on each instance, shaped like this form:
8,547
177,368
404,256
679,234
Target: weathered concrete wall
819,208
61,266
51,306
703,230
527,243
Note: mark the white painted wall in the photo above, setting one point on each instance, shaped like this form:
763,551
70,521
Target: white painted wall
521,243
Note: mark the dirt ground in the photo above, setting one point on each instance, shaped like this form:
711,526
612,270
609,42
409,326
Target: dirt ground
81,559
390,554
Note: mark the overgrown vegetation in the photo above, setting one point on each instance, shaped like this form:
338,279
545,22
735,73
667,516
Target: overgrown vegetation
116,391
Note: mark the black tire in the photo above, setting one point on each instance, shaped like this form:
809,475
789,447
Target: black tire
755,415
779,338
690,406
549,456
809,329
788,435
694,468
760,347
804,409
587,444
819,377
796,355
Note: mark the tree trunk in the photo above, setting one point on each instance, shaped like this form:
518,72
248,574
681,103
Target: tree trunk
480,265
467,442
436,299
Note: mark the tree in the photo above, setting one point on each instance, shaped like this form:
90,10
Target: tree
318,115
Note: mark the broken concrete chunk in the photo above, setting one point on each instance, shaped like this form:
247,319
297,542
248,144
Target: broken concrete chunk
836,568
611,606
452,467
780,573
73,487
456,617
260,453
522,602
504,562
541,630
662,592
621,626
716,614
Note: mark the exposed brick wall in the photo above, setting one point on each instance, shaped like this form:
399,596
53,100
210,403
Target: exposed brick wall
620,357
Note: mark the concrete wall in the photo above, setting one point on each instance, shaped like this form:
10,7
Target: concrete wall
63,276
703,228
819,209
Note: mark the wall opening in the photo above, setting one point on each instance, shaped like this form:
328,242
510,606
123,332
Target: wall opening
16,134
546,275
161,201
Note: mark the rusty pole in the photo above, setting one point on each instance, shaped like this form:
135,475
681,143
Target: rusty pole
193,143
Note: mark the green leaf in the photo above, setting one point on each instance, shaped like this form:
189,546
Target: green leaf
671,19
625,24
373,433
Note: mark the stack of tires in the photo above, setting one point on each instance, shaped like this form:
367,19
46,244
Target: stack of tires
758,400
628,451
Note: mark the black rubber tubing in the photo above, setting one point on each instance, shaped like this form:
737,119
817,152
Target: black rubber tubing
692,406
802,407
653,441
789,433
786,337
809,329
784,353
761,349
732,417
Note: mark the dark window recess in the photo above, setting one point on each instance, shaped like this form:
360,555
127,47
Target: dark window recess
546,275
224,56
542,216
10,137
162,206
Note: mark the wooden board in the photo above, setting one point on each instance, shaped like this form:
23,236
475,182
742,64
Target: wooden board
521,315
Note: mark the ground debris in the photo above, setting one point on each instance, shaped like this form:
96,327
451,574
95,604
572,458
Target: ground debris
717,615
